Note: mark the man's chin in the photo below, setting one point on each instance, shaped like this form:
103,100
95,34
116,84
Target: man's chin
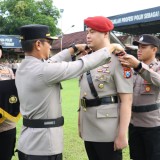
139,58
90,46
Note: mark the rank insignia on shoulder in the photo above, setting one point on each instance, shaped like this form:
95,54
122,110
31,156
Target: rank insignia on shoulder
151,65
147,88
127,72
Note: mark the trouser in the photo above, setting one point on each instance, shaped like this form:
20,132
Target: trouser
102,151
144,143
23,156
7,144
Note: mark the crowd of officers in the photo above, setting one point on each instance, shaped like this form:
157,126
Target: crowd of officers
118,93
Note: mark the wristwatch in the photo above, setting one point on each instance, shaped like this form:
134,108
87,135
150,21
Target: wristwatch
138,67
74,48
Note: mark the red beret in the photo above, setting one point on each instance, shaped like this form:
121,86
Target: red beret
99,23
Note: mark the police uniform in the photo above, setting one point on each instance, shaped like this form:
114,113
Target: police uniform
7,127
144,132
38,85
99,109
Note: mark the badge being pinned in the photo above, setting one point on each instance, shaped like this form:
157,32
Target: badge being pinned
127,72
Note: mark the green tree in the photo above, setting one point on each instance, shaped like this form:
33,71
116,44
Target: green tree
16,13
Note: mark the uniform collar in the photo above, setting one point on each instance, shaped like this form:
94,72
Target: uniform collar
31,58
153,63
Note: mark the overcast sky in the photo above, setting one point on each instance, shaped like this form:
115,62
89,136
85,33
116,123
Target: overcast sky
75,11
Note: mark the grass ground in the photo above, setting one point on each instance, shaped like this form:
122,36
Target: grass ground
73,145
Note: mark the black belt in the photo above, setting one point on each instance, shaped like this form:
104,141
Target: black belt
43,123
98,101
146,108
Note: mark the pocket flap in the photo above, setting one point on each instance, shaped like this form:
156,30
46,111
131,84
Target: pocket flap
107,113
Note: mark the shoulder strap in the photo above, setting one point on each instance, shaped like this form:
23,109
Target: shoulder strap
91,85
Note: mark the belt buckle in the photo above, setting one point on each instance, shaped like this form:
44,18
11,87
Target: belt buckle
112,99
83,103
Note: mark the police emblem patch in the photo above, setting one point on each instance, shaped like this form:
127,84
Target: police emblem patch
127,72
147,88
12,99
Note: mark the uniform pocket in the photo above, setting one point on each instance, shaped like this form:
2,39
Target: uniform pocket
111,112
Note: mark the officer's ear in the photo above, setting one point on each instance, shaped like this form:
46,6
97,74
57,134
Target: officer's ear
155,49
106,34
38,44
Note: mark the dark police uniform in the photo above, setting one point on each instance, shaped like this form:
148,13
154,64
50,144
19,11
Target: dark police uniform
7,126
38,85
144,131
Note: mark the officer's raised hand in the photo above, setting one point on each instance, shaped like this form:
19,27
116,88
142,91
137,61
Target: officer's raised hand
80,48
129,61
116,48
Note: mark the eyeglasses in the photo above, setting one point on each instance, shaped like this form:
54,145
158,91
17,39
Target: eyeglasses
50,42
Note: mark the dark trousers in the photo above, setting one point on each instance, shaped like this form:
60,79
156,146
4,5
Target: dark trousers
144,143
7,144
23,156
102,151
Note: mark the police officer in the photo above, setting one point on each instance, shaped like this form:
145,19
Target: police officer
106,98
144,130
7,127
38,85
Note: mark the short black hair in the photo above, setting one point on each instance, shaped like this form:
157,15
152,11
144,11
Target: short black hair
27,46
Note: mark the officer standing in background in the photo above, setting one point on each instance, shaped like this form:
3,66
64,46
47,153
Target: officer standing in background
144,130
38,85
7,128
106,98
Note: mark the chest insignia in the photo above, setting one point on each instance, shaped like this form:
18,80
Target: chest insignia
12,99
99,70
101,78
107,71
105,66
101,85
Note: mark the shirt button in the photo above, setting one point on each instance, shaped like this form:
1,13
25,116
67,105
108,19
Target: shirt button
107,115
85,94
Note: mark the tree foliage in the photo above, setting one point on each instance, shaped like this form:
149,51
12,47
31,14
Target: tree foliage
16,13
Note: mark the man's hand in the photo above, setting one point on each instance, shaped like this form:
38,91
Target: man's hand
82,49
116,48
120,143
129,61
